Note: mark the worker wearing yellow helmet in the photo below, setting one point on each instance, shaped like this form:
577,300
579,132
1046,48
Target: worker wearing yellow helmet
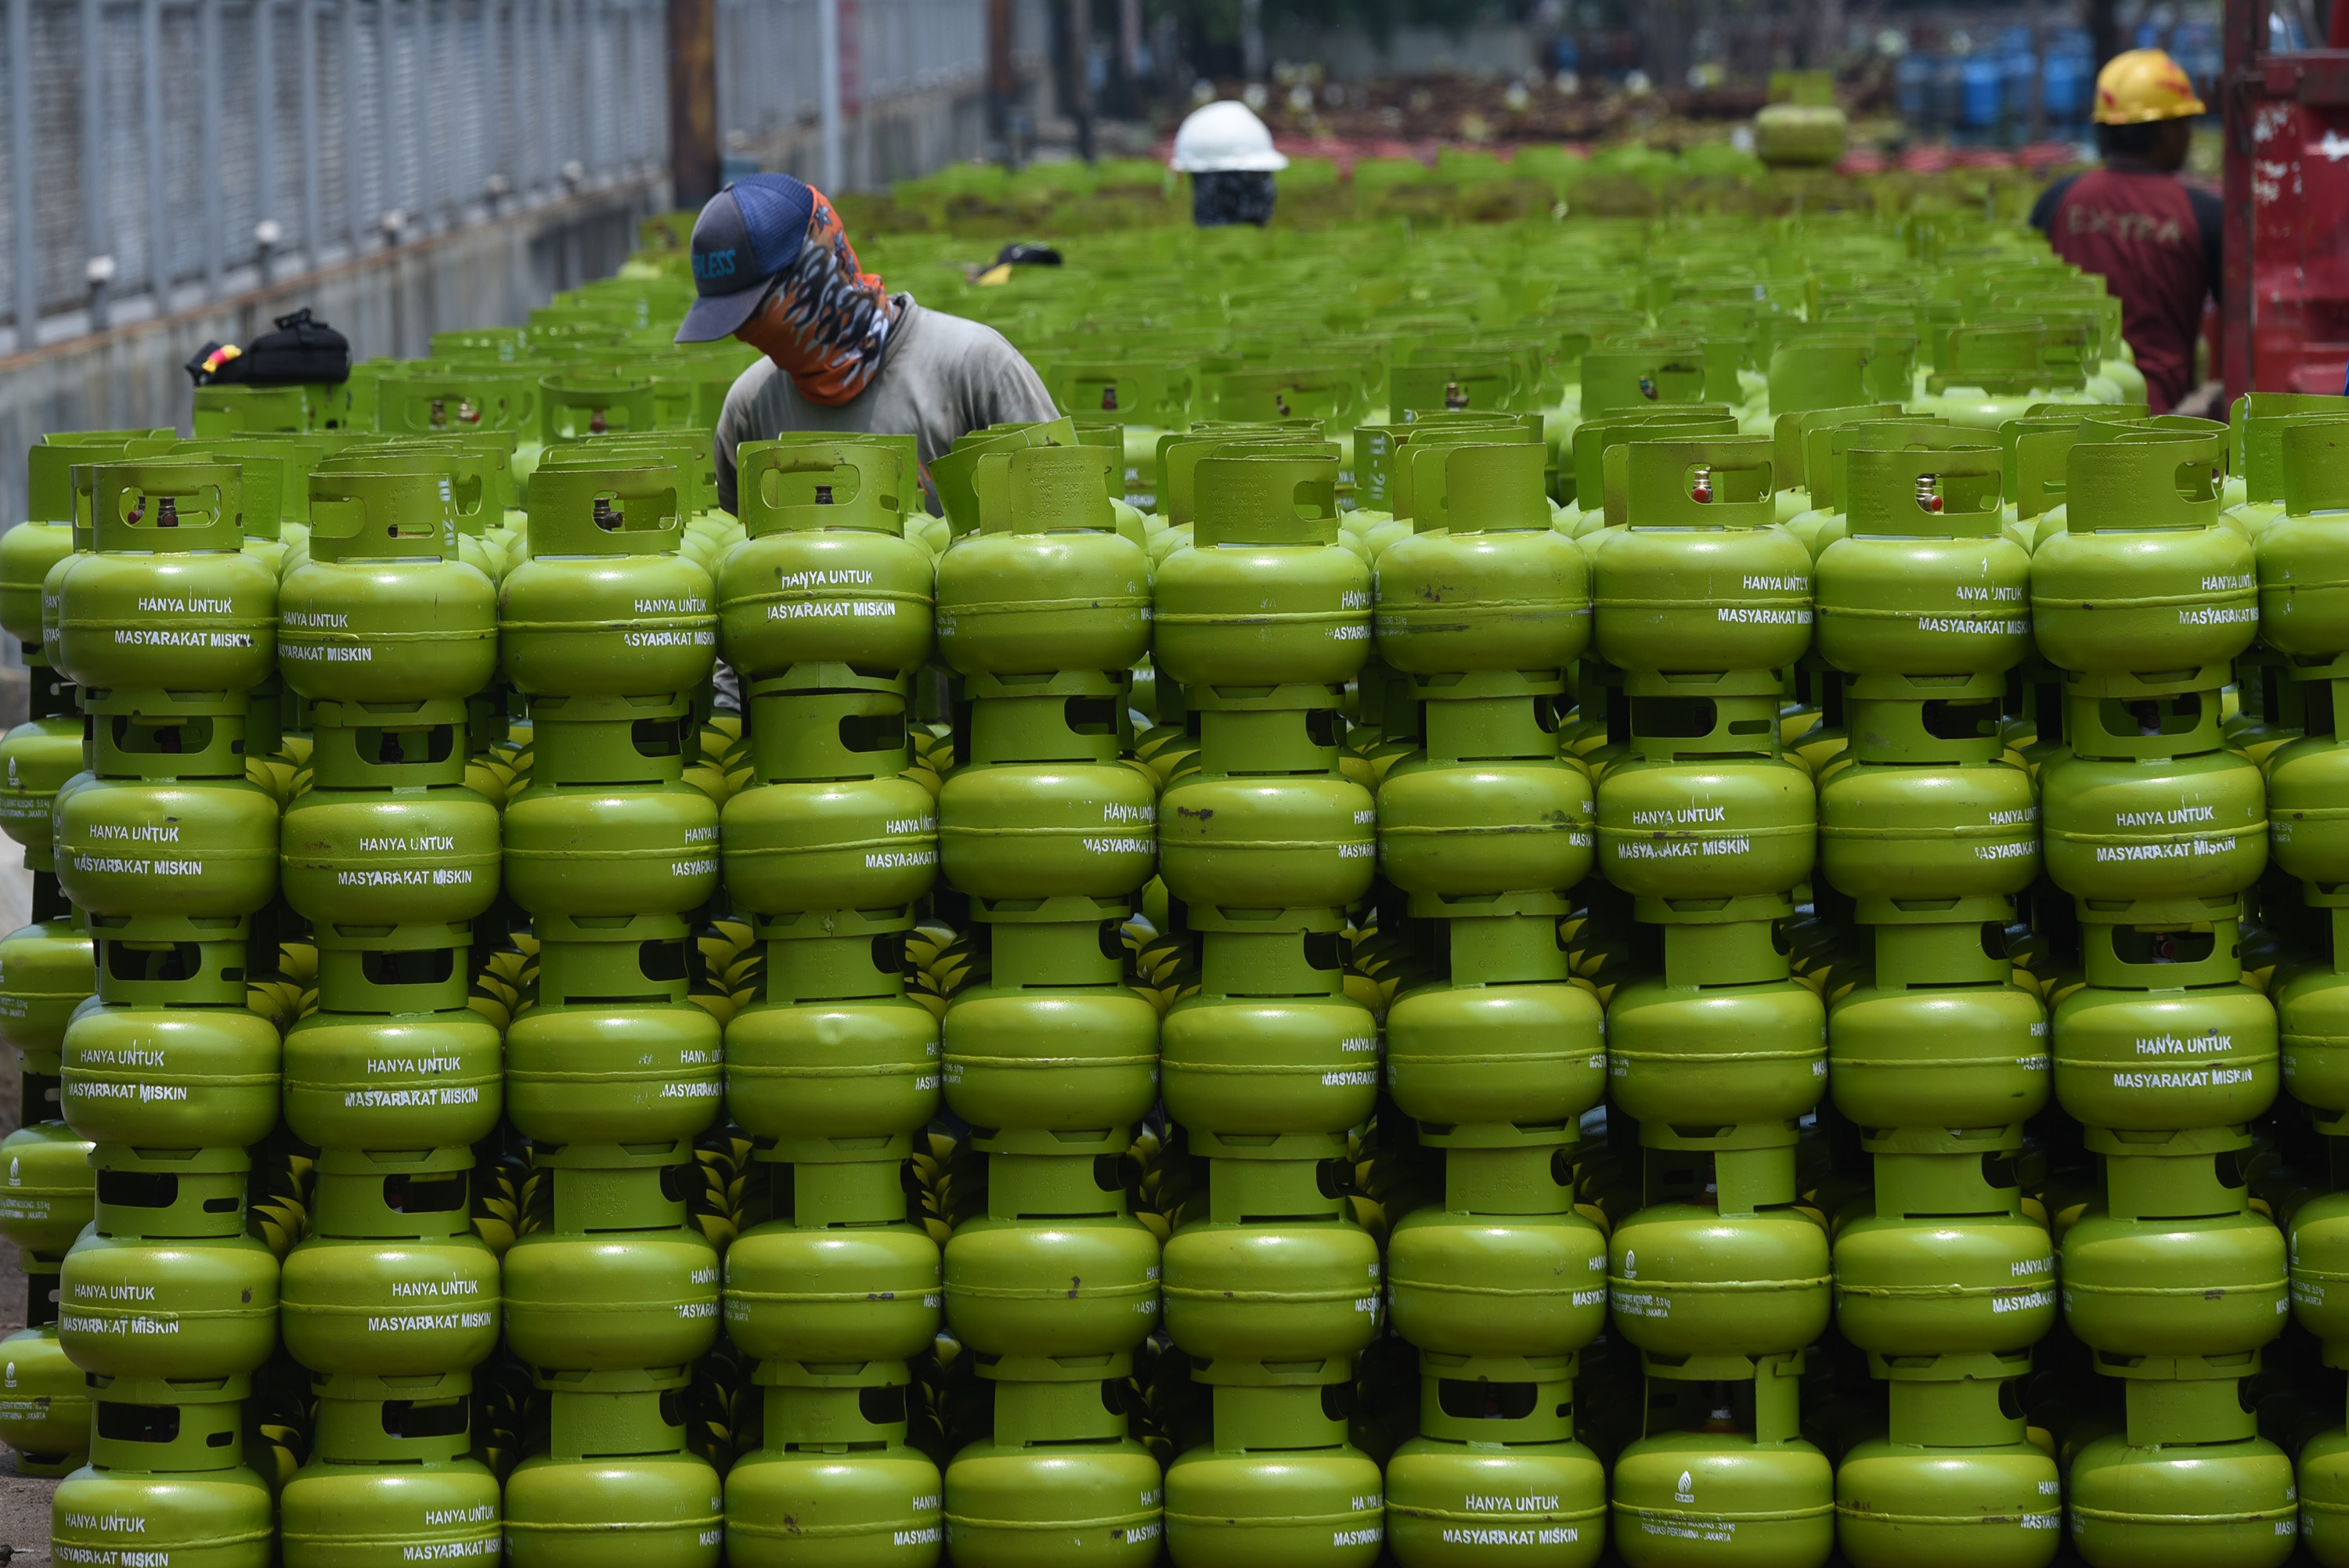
2153,237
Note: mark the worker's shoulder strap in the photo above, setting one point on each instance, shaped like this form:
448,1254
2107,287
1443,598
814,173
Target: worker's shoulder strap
2042,211
2211,218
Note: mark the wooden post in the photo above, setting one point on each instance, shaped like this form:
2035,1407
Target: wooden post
693,167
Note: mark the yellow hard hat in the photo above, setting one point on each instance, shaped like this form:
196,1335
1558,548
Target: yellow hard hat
2141,86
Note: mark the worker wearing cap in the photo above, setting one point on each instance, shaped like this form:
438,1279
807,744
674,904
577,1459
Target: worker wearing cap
2154,239
1231,161
773,268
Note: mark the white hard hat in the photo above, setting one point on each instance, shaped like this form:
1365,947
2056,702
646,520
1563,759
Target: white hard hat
1224,137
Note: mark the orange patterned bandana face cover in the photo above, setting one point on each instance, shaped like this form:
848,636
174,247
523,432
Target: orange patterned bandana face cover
825,319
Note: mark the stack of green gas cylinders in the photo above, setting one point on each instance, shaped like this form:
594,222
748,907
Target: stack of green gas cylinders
1938,1058
391,1300
607,632
2162,1055
1272,1288
1050,1285
1690,912
824,615
1498,1056
169,630
46,972
1717,1280
2303,623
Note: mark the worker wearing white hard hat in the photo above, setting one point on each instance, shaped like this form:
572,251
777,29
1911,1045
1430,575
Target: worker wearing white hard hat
1231,161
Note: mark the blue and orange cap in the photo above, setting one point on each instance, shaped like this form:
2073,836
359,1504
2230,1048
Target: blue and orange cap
746,235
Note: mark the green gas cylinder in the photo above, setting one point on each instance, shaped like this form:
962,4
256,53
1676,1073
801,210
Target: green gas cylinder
1948,1264
1278,1485
165,1284
2144,578
2312,1034
1723,1036
37,759
1484,583
202,849
1507,1040
389,1478
379,1071
44,1404
1265,594
606,606
1055,1266
607,827
388,833
834,1484
1495,1473
1270,1045
1046,583
1043,808
2188,1480
166,599
835,1048
2303,608
1054,1040
2318,1249
616,1487
619,1279
1938,1033
1698,580
1274,1270
1922,584
2173,1265
1058,1482
828,822
170,1078
2165,1033
1487,805
614,1052
166,1477
2147,804
47,973
1926,809
1722,1472
1733,1272
45,538
1953,1482
1268,821
841,1278
1503,1266
1704,806
826,576
390,1281
2305,776
45,1197
384,611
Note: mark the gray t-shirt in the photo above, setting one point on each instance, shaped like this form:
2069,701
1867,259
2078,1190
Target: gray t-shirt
941,376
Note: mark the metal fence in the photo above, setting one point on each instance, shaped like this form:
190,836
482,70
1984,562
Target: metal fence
163,153
771,73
